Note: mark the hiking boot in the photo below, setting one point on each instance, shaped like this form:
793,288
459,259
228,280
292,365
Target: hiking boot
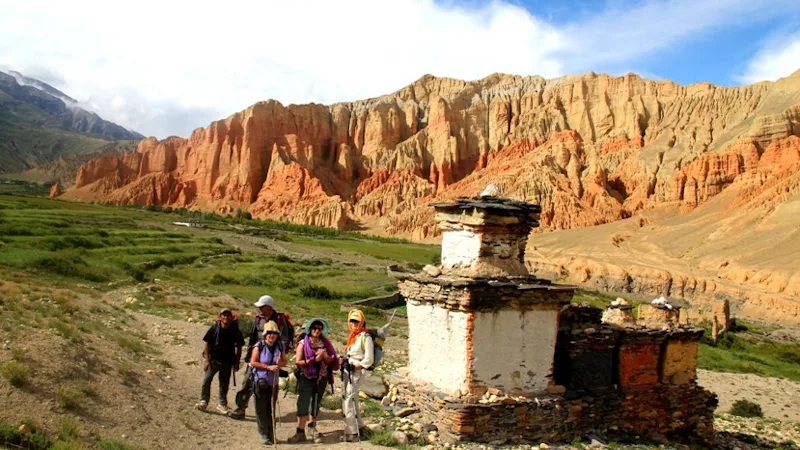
237,414
201,405
266,441
297,438
223,409
311,430
349,438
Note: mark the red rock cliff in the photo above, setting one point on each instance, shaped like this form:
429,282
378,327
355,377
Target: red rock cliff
591,149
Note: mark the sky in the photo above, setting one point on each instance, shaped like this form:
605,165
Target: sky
166,67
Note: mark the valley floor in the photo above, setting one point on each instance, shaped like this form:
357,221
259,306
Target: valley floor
97,359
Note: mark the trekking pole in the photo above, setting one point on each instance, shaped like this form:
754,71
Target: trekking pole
273,398
355,403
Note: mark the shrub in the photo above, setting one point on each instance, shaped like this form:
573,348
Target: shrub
70,398
241,214
64,329
331,402
746,408
34,440
138,274
69,430
9,434
67,445
284,258
15,372
129,343
316,262
318,292
383,437
114,444
218,278
69,265
252,280
18,354
287,284
413,266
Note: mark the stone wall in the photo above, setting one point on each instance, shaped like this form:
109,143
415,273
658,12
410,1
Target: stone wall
661,412
657,317
467,294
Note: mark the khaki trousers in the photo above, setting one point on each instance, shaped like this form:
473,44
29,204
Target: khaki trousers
350,406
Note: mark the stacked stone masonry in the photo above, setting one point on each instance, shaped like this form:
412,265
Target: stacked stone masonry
619,381
497,355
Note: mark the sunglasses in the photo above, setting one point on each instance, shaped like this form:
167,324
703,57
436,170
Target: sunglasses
272,333
316,329
353,321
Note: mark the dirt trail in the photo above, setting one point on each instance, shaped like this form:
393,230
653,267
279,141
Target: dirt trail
211,430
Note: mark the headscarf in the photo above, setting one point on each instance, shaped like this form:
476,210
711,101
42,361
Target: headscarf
356,314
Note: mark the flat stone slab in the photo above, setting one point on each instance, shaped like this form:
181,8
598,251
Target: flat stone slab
373,386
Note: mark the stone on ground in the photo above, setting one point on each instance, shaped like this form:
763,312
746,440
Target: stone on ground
400,437
373,386
405,412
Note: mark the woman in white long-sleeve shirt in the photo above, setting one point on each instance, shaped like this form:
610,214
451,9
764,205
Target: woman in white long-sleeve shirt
359,356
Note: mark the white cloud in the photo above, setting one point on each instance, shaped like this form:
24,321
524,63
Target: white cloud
166,67
622,33
205,58
778,58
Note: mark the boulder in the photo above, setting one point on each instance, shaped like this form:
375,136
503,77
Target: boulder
400,437
373,386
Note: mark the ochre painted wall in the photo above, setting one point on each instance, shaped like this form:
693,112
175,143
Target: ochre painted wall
680,362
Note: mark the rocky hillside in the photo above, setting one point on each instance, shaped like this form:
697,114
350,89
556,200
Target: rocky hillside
42,126
591,149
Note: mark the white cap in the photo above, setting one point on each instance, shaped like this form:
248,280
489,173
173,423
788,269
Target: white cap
265,300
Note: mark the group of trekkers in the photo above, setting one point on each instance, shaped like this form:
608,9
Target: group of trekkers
271,345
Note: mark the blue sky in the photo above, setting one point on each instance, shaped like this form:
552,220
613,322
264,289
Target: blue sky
715,52
165,68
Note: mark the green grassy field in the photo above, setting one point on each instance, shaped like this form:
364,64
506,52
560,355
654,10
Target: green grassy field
27,188
105,247
748,349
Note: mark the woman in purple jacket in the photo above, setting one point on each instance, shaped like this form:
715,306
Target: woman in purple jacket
317,361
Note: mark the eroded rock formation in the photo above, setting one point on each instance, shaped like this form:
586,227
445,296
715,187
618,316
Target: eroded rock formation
590,149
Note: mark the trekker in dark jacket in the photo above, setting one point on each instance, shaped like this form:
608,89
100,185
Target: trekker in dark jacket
222,352
266,313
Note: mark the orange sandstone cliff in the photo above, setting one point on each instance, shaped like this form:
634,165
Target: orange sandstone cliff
591,150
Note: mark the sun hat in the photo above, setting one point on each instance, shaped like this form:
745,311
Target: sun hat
309,322
265,300
270,326
356,314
